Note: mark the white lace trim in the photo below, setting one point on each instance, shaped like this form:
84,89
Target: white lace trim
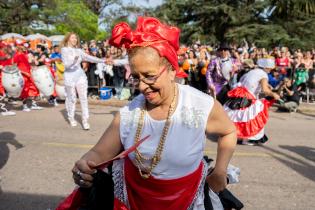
120,189
201,185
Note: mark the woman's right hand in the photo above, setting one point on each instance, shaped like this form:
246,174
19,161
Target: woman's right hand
276,96
82,173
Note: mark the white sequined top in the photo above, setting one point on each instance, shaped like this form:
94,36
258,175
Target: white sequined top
185,142
73,71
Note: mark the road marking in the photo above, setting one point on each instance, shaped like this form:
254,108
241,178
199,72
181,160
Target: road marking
206,152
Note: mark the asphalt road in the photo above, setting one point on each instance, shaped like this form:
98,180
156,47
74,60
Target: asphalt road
38,149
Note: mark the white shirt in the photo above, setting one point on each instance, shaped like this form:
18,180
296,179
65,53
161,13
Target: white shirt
185,141
73,71
251,81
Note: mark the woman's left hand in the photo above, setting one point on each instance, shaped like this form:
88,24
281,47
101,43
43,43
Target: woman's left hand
217,181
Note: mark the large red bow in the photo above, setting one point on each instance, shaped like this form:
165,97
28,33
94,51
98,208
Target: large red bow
149,32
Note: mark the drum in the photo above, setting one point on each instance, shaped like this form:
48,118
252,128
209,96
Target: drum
12,81
43,80
61,92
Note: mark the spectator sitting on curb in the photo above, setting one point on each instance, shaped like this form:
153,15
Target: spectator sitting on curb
290,96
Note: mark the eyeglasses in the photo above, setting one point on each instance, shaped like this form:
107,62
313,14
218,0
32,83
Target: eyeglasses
150,80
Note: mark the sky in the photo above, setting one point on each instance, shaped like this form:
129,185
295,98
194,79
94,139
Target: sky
150,3
140,3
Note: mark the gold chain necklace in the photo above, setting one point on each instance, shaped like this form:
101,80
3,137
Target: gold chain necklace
140,158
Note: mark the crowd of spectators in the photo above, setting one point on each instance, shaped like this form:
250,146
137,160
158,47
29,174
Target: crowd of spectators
292,77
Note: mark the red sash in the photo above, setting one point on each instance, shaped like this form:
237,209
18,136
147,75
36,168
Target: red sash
157,194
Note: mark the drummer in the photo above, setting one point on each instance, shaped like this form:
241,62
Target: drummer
5,59
29,91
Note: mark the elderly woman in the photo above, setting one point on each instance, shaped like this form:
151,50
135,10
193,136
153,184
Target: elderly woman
166,171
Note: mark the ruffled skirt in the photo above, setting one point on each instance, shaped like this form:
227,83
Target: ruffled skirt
249,114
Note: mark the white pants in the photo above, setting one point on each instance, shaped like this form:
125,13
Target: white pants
81,87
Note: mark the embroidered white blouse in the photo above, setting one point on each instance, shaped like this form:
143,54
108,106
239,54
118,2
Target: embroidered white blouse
73,71
185,142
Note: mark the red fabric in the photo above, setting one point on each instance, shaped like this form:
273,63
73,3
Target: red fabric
29,89
149,32
73,201
157,194
54,77
2,91
118,205
254,126
241,92
4,62
2,44
282,62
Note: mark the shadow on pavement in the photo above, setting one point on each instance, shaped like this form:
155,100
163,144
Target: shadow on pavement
300,166
24,201
303,151
7,138
65,115
306,114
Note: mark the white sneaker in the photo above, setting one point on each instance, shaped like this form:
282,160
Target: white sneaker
25,108
56,103
8,113
36,107
72,122
13,102
86,125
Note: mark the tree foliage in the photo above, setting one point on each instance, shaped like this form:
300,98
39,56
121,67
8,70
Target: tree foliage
51,17
17,16
268,23
75,16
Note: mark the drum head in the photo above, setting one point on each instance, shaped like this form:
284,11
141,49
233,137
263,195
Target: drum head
10,69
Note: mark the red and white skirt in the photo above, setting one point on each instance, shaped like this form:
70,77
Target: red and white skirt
249,114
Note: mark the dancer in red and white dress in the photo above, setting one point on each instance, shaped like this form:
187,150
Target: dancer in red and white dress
5,60
244,107
167,171
29,91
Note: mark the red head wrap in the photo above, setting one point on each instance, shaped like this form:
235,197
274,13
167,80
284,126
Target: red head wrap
149,32
2,44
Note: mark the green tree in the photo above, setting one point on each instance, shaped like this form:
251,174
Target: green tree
74,16
17,16
268,22
210,20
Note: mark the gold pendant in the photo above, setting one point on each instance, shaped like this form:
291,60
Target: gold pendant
145,176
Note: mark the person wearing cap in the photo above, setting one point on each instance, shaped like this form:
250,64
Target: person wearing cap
5,60
30,90
167,171
244,107
220,71
75,79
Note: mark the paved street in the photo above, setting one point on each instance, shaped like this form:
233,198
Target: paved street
38,149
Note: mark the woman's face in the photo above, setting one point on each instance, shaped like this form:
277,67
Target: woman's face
73,40
146,63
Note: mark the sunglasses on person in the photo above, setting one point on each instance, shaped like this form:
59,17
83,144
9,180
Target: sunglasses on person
150,80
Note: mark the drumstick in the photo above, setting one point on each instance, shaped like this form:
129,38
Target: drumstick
121,155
